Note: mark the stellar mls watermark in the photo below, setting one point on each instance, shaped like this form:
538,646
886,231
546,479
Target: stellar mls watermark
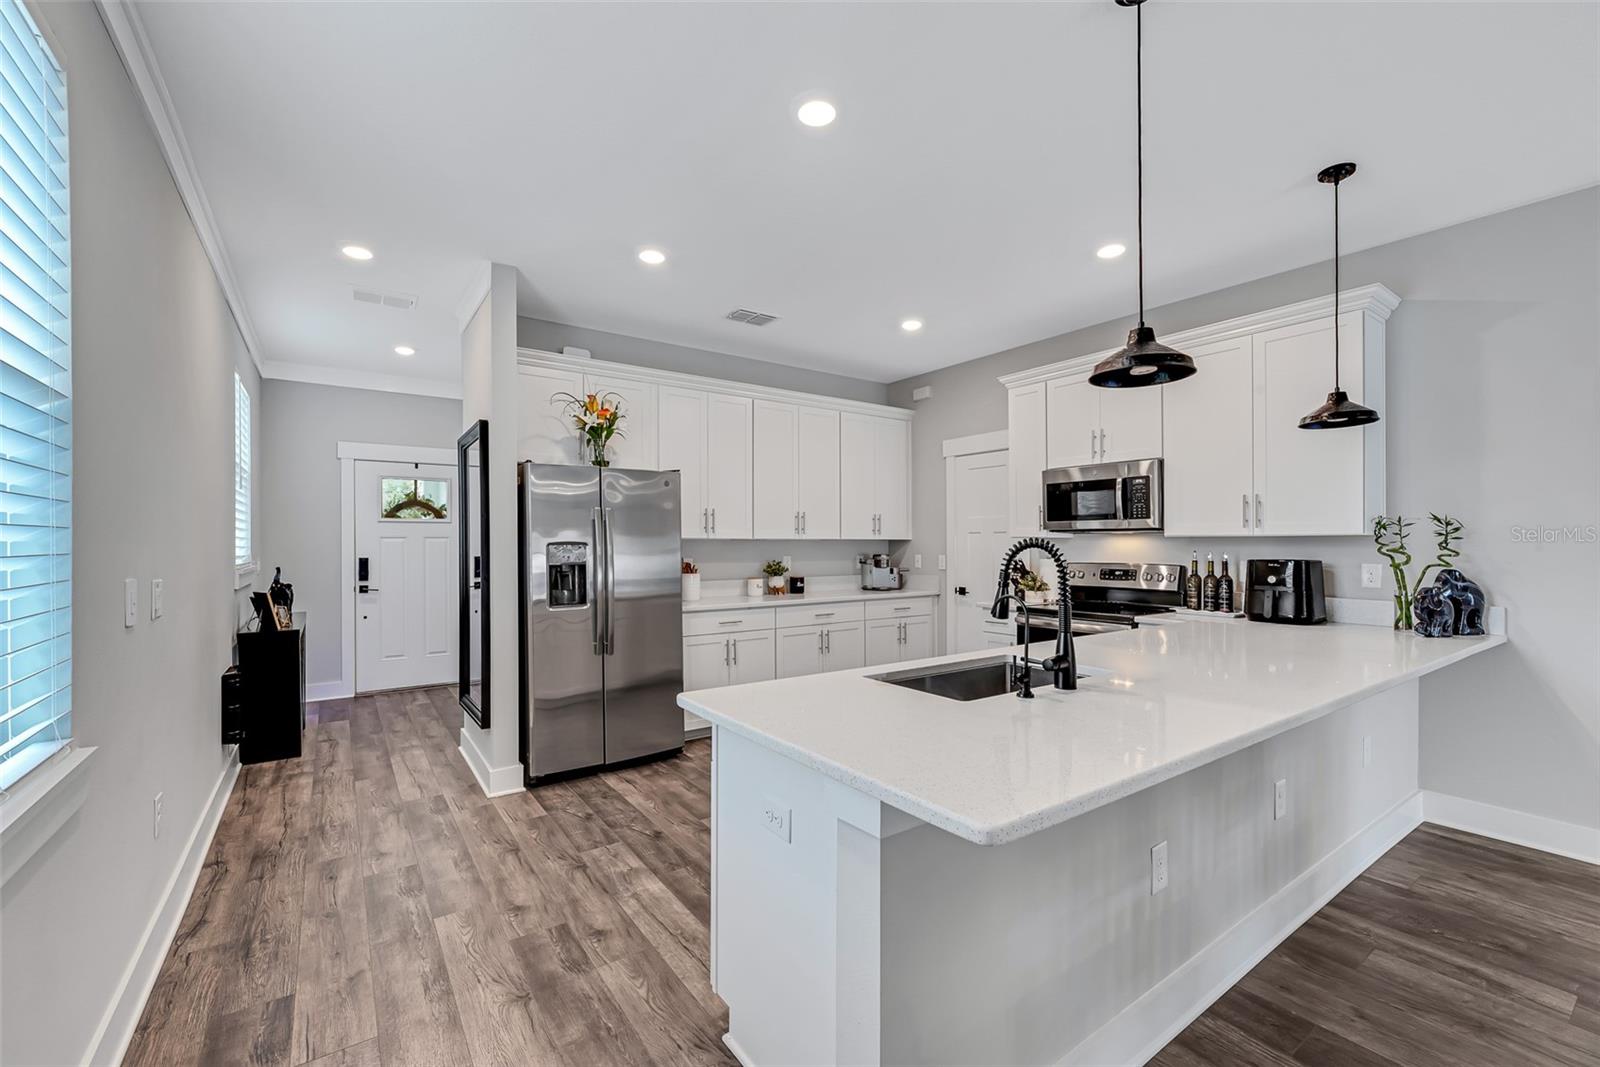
1555,535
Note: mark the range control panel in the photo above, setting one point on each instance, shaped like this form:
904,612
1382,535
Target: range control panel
1168,576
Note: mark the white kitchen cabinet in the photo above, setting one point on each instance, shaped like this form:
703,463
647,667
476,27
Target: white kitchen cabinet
796,471
712,660
874,477
916,638
898,640
1210,447
545,433
754,658
681,418
814,649
1026,443
707,438
1088,424
635,446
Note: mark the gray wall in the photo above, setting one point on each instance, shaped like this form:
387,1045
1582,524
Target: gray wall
154,352
1494,382
300,506
552,336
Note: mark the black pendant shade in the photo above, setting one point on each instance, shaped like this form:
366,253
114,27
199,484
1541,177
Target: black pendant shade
1338,411
1144,360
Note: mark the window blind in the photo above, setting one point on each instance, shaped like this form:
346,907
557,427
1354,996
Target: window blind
241,473
35,401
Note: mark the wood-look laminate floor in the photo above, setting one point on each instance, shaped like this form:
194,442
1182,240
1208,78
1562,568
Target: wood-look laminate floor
366,905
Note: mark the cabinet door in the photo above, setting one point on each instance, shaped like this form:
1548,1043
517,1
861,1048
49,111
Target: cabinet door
544,433
753,658
1308,481
799,651
681,417
893,478
844,647
817,472
1130,423
857,476
705,661
1073,415
882,642
728,452
917,638
1209,475
1025,434
776,458
635,446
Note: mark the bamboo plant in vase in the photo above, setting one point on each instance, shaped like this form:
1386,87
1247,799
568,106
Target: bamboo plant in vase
1390,537
598,418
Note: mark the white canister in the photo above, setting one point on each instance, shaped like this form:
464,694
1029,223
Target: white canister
691,587
752,587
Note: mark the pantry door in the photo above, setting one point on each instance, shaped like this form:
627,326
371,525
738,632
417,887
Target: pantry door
406,623
980,495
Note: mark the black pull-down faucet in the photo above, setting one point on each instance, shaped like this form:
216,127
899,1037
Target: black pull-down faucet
1064,664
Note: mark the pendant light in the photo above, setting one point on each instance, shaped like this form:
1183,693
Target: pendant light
1338,410
1144,361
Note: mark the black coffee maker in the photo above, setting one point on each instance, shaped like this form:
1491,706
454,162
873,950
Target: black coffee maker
1285,590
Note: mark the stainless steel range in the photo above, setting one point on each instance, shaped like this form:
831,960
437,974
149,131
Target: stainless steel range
1111,596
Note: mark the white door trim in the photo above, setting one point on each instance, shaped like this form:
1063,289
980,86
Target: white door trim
954,448
349,452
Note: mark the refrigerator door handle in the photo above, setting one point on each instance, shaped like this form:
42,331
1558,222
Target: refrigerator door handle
611,585
596,621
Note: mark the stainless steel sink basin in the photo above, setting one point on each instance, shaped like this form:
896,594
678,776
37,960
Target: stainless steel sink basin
967,680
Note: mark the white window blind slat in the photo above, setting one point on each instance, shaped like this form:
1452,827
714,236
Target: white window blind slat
242,548
35,401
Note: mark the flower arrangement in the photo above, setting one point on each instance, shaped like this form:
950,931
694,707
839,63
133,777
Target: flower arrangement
598,417
1390,537
691,580
690,567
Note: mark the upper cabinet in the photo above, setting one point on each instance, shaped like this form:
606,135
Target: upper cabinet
754,461
1236,461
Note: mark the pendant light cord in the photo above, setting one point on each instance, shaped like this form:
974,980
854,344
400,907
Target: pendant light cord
1138,97
1336,285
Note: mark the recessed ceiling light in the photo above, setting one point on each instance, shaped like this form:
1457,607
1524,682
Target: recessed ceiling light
653,257
1111,251
911,325
404,350
357,252
817,113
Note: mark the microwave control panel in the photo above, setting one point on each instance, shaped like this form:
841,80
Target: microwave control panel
1138,498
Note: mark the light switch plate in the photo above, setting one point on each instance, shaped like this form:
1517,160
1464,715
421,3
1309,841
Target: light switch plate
776,816
130,602
1280,798
1366,751
1372,576
157,588
1158,868
941,562
916,561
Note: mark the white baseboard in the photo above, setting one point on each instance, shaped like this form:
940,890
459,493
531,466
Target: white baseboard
1517,827
111,1038
494,781
1183,995
738,1053
339,690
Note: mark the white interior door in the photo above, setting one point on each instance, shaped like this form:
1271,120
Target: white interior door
982,537
407,609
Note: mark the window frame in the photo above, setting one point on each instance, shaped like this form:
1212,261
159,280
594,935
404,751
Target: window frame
245,565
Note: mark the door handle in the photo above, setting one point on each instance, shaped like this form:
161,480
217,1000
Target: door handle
367,589
597,616
1244,509
611,584
961,590
1258,510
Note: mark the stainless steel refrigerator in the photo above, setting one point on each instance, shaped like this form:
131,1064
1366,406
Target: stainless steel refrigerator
602,644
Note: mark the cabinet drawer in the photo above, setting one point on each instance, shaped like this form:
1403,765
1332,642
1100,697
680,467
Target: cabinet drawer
900,609
820,614
722,622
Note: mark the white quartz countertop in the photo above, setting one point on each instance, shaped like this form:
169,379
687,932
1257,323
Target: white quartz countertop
736,603
1159,701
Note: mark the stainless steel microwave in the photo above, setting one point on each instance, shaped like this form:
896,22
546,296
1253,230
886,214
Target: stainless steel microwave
1104,496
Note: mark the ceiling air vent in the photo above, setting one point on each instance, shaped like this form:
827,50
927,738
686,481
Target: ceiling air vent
751,318
402,301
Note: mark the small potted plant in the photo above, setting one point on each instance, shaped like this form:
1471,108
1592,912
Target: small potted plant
1035,590
774,569
691,580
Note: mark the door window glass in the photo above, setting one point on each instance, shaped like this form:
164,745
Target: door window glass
415,499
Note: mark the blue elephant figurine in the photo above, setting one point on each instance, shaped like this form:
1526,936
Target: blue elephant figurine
1435,616
1465,599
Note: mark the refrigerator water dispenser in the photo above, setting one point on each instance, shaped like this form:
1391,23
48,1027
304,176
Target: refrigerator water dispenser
566,574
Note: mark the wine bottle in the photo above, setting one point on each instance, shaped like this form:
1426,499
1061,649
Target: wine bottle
1225,588
1191,587
1208,588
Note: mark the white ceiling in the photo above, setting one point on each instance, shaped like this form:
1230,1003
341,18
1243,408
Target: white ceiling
982,153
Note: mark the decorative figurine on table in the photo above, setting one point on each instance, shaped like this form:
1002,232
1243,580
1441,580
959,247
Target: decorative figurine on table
1435,616
1465,600
281,594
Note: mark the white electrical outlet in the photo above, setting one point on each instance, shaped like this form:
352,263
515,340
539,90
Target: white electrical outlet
916,561
941,562
1158,868
130,602
160,802
1280,798
776,817
1371,576
1366,751
157,587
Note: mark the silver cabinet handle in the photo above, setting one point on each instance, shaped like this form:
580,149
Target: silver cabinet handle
827,641
826,614
713,531
1244,509
705,521
906,608
819,642
1091,444
1041,516
730,622
802,523
725,656
735,651
1258,510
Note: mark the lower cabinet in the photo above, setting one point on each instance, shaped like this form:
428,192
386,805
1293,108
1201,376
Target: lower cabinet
712,660
898,640
817,649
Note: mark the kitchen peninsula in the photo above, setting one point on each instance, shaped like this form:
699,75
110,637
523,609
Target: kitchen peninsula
898,877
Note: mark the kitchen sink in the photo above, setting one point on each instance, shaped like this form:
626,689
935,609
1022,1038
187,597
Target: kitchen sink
967,680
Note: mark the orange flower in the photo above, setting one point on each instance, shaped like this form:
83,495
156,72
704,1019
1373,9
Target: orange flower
604,413
591,403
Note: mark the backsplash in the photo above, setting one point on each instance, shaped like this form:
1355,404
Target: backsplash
730,560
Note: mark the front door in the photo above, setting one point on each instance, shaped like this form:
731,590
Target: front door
982,537
407,611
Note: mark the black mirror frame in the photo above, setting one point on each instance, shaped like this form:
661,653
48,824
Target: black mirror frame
478,435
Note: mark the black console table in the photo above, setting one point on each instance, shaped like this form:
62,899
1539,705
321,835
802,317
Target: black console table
272,666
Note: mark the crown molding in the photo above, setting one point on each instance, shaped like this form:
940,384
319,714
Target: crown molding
128,35
533,357
1375,301
345,378
473,296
